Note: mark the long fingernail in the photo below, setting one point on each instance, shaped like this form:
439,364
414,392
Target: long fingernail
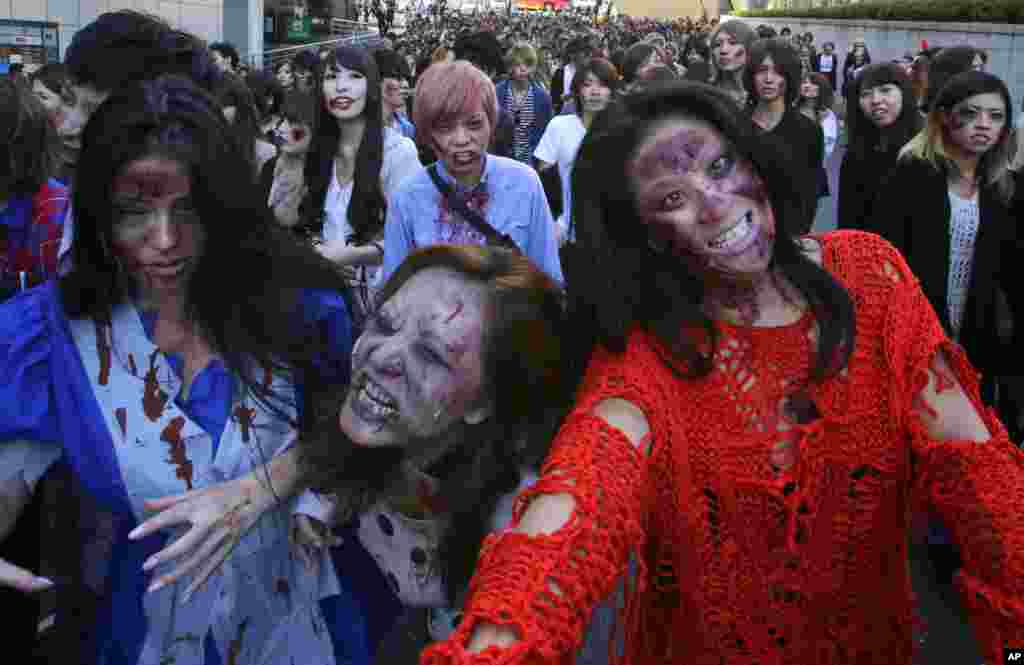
156,586
43,581
134,535
150,564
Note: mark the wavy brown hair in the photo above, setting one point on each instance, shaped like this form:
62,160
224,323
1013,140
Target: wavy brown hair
525,380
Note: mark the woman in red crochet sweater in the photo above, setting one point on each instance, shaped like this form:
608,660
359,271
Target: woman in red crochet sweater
759,417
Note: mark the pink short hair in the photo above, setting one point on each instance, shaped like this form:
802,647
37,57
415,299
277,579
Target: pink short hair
449,89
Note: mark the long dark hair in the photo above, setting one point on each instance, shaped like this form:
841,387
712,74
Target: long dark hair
247,287
367,206
865,136
527,385
625,283
232,91
786,61
28,145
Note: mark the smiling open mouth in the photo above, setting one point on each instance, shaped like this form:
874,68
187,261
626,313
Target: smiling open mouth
734,238
372,402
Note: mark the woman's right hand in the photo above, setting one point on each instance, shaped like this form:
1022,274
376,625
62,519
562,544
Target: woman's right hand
21,579
14,495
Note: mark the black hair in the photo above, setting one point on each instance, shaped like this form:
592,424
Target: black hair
300,108
267,93
232,91
54,76
126,46
483,50
390,64
307,61
228,51
367,207
766,31
626,283
786,61
525,382
636,56
28,141
599,67
864,135
949,62
246,290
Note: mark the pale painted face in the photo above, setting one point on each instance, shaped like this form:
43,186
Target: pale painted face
728,53
882,103
594,94
344,92
976,124
461,143
157,233
701,201
417,369
769,83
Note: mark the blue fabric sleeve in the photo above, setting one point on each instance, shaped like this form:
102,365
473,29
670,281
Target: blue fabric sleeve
543,249
27,407
398,236
328,312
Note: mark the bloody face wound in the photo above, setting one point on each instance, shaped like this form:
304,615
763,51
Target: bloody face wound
703,202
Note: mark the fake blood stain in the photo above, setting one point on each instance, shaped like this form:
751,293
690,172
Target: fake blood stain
178,455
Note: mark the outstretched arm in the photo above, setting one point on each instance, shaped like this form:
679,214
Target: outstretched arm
571,539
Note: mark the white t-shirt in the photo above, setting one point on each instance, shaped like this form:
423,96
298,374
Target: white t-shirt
399,162
559,145
830,128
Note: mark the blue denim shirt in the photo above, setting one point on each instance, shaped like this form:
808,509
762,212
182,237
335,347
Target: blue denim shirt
515,205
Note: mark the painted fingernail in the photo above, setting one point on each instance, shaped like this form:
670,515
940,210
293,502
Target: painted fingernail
156,586
134,533
42,581
150,564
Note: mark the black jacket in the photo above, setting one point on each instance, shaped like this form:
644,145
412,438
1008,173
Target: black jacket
860,177
802,142
912,212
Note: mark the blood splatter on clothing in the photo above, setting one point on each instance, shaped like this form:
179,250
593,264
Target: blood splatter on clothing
178,456
244,415
154,399
103,349
452,229
122,419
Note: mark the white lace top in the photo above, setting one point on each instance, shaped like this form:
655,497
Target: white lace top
963,232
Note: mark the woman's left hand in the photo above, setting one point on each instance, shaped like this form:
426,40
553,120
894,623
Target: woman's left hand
219,516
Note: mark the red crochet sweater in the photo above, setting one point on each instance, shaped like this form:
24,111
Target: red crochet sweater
757,539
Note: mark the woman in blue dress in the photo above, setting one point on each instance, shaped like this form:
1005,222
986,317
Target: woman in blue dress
178,355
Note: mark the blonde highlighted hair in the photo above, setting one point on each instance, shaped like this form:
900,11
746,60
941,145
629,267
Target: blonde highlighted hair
522,53
930,144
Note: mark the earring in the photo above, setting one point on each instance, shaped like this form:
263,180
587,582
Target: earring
437,414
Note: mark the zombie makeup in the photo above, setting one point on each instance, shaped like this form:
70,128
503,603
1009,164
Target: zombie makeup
344,92
156,232
976,124
418,368
461,142
702,202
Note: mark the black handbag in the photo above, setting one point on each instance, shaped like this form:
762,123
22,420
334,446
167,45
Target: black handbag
473,218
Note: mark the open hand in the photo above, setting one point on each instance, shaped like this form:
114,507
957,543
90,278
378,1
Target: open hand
21,579
219,517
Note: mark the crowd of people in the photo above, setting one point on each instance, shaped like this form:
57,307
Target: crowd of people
515,339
